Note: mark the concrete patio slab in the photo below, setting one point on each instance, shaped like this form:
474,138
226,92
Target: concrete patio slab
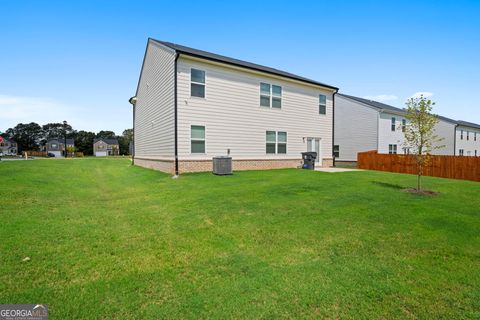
334,170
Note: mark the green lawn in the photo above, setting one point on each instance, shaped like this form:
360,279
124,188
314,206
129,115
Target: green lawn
108,240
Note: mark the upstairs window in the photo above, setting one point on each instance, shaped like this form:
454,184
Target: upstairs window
270,96
468,135
474,136
392,149
393,123
198,139
322,106
461,134
197,83
276,97
404,125
276,142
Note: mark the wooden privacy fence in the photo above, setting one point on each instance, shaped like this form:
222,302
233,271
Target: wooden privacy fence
44,154
453,167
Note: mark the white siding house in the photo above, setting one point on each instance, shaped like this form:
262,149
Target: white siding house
193,105
467,139
365,125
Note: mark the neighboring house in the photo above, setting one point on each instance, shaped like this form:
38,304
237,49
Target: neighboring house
105,147
8,147
56,146
467,139
193,105
364,125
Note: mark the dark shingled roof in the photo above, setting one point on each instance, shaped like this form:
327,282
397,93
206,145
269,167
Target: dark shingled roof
219,58
468,124
384,106
107,141
61,140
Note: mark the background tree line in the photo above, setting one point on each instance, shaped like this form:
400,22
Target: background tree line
31,136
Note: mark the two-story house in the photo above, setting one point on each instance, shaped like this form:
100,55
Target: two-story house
8,147
105,147
467,139
192,105
56,146
364,125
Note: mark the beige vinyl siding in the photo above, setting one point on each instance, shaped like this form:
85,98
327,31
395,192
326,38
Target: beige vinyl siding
355,128
154,114
234,119
445,130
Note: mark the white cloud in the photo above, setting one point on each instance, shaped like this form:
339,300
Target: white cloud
382,97
425,94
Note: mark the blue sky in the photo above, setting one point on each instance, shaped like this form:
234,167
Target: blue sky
80,60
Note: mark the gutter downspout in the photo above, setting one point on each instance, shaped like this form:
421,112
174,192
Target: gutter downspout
133,135
176,114
455,139
333,126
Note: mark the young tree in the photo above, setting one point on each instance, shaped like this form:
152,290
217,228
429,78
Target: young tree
420,136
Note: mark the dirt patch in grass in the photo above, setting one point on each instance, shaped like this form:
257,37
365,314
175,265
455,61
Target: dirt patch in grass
421,192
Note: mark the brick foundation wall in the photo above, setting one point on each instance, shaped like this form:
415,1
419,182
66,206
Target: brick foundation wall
238,165
167,166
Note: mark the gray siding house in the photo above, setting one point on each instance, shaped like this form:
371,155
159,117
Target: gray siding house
8,147
364,125
105,147
192,105
57,146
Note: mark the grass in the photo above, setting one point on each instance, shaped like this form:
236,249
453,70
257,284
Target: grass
108,240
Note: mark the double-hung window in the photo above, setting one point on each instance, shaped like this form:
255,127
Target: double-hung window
276,97
270,95
404,125
393,123
468,135
197,139
197,83
276,142
461,134
460,152
322,104
474,136
336,151
392,149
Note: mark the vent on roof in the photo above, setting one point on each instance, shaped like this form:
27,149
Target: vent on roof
222,165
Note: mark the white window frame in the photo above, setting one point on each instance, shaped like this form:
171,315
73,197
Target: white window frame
271,96
393,124
468,135
277,142
461,152
197,139
461,134
392,149
404,125
320,104
199,83
336,146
